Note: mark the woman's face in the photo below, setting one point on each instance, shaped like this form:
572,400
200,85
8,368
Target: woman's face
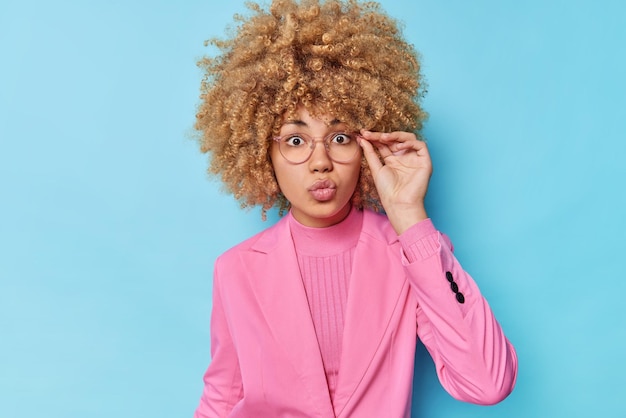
318,189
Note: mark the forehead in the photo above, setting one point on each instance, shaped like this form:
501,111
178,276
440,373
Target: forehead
303,117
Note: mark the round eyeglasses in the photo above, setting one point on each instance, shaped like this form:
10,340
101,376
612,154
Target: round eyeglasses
297,148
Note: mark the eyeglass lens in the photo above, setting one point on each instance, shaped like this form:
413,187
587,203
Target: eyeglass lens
297,148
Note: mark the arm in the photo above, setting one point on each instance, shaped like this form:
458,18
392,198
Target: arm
222,381
474,360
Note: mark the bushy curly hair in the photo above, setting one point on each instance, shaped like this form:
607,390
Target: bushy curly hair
347,59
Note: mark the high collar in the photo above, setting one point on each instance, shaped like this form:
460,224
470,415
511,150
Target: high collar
321,242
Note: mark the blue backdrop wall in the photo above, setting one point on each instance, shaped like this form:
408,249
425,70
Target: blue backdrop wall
109,225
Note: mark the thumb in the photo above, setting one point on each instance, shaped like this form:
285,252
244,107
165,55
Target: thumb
370,155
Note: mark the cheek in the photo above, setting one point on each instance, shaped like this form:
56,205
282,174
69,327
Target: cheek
275,160
273,153
283,172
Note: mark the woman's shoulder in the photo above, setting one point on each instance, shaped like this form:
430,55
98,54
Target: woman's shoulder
260,241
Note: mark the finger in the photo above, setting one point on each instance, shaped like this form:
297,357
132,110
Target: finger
417,145
384,149
389,137
370,155
421,148
394,143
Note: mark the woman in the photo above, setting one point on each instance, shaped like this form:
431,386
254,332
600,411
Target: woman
313,107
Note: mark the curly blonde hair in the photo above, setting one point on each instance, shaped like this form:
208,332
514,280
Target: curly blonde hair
347,59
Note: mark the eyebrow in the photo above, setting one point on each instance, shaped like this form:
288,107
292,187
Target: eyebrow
299,122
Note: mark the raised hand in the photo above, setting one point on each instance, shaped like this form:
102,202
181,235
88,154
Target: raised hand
401,171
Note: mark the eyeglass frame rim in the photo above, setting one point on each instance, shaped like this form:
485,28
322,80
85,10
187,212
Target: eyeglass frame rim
354,134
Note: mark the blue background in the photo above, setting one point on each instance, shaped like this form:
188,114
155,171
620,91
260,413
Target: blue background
109,225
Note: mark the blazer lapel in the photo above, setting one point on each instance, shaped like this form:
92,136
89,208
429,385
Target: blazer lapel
275,278
372,299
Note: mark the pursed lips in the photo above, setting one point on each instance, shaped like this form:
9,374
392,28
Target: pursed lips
322,184
323,190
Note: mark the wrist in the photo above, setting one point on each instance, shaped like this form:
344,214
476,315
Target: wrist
402,218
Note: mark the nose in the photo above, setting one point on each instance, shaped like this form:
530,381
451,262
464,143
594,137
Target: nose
320,160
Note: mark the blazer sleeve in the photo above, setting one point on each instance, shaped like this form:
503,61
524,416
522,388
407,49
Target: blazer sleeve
223,386
475,362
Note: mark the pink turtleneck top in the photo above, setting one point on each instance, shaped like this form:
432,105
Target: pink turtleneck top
325,258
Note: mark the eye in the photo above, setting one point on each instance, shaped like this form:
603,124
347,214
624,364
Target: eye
294,140
341,138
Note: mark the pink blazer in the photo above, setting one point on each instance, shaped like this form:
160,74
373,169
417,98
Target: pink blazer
265,356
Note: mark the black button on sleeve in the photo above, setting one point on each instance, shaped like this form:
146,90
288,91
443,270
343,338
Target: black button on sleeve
460,298
454,287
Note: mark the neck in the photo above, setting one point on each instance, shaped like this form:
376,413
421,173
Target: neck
321,222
